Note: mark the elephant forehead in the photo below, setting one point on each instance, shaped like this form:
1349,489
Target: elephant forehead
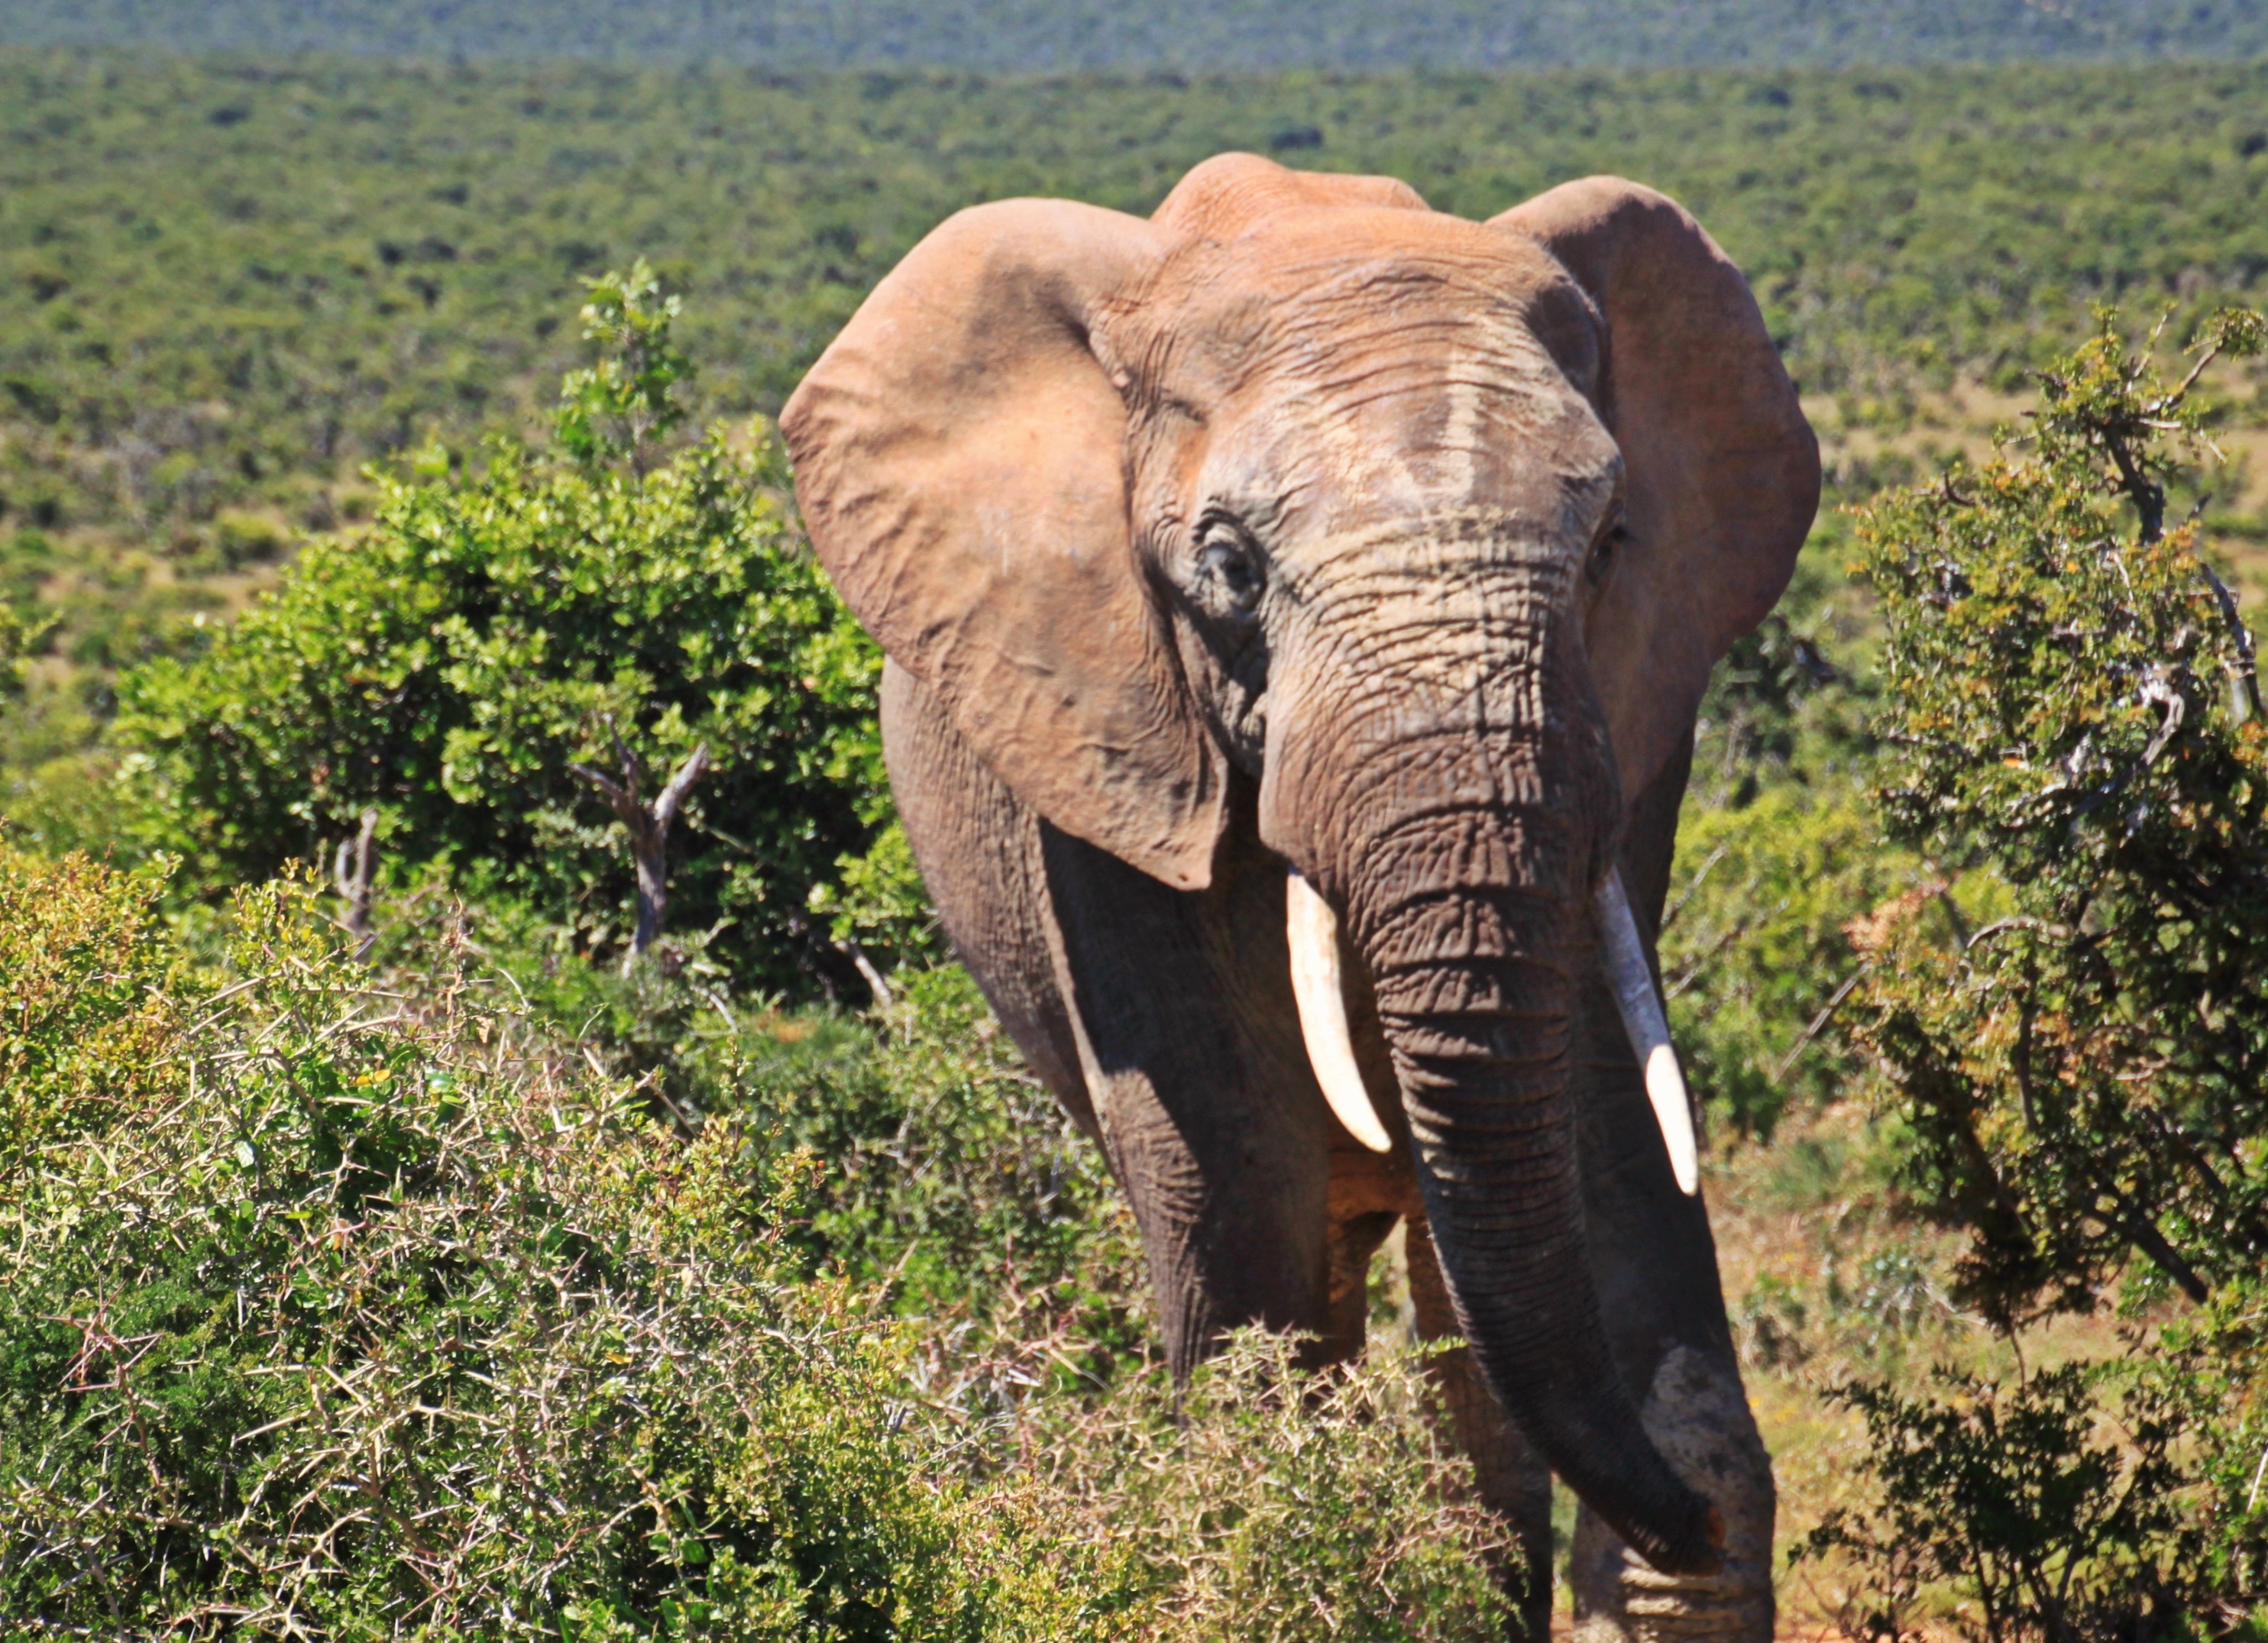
1405,327
1353,271
1366,442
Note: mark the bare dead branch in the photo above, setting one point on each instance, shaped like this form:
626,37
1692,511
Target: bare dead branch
696,765
353,872
872,976
648,830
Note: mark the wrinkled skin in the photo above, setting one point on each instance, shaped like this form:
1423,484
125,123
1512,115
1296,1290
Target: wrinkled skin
1302,526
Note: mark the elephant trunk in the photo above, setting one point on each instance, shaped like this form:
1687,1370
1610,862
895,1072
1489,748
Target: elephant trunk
1475,984
1461,820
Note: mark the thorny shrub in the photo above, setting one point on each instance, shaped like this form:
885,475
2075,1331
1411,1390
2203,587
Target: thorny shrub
2070,1021
343,1310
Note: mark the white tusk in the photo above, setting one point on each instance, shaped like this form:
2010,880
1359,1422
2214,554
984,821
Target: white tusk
1632,980
1313,932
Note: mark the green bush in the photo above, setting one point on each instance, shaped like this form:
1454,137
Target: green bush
349,1311
458,665
955,1179
1754,958
88,1019
1280,1506
368,1323
2074,716
2057,1529
2069,1021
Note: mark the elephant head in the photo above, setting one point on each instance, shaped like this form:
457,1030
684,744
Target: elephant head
1433,530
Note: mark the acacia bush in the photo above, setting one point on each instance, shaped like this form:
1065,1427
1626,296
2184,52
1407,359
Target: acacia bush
351,1307
2069,1019
88,1014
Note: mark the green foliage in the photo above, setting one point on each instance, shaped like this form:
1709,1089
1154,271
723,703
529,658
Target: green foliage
489,631
955,1175
1754,961
14,663
2071,1044
2059,1531
2073,710
1776,849
879,901
200,346
1282,1506
330,1317
613,410
364,1329
88,1017
955,1180
191,327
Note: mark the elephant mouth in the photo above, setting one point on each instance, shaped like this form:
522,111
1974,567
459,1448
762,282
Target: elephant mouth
1319,987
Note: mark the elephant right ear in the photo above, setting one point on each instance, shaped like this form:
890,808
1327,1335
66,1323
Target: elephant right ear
959,459
1722,469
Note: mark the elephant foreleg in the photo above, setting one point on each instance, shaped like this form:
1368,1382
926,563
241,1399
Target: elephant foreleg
1655,1264
1696,1411
1189,1040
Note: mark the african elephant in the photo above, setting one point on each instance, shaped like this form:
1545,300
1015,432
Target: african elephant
1297,607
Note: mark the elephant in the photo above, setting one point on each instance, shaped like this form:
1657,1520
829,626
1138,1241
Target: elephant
1297,605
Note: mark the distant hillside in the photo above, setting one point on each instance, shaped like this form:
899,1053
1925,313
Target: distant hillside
1169,35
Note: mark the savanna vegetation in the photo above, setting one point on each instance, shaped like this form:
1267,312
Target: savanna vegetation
226,287
450,1182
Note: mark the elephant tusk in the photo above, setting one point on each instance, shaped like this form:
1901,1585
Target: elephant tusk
1313,932
1632,980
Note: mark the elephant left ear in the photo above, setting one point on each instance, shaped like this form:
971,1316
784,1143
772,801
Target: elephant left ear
1722,468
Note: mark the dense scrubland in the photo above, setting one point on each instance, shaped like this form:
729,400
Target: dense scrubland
225,287
392,1242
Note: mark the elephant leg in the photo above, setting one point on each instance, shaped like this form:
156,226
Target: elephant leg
1159,1019
1655,1264
1656,1269
978,849
1513,1481
1354,1240
1188,1041
1696,1411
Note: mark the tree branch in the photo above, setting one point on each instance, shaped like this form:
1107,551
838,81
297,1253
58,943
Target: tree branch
2244,673
623,802
2145,1237
353,871
666,808
648,830
1818,1024
872,976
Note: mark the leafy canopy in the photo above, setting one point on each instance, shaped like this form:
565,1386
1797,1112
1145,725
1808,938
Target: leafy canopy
493,627
2070,1023
2072,714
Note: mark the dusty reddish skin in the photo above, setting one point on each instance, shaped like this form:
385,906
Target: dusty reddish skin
1447,706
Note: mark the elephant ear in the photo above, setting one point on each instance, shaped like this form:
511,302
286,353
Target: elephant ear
959,460
1721,469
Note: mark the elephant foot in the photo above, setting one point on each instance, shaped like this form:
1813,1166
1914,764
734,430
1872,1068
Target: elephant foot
1697,1412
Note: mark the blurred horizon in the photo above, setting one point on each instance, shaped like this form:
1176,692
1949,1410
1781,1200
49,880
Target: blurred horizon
1049,36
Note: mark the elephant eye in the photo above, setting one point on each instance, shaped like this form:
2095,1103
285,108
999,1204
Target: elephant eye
1610,542
1229,571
